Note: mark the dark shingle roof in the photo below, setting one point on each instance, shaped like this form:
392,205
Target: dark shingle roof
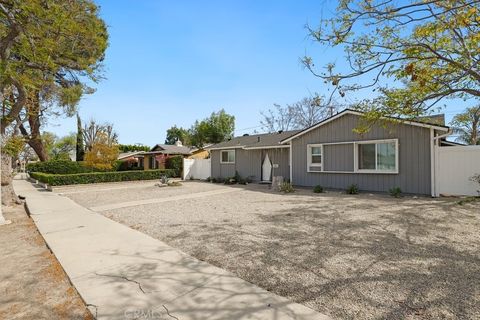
171,149
255,140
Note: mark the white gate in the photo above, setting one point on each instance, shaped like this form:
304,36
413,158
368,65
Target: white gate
196,169
454,168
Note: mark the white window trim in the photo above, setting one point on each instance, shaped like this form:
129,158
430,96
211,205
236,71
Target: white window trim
309,157
228,162
355,156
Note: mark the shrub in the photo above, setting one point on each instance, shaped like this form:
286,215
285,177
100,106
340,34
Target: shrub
286,187
98,177
175,163
395,192
59,167
352,189
318,189
230,180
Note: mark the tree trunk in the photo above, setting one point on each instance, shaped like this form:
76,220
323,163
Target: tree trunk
8,194
34,138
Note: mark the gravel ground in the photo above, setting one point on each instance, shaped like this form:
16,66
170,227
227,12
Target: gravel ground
353,257
32,282
102,194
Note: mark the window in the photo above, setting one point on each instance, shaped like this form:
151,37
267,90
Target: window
378,156
227,156
314,157
152,163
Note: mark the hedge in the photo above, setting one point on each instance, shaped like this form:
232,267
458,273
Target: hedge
175,163
98,177
59,167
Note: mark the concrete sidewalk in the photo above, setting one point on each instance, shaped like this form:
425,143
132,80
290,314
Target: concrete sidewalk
124,274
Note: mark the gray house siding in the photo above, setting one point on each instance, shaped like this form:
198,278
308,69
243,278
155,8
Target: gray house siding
413,152
220,169
338,157
248,163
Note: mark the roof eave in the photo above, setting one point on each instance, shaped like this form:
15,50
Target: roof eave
348,111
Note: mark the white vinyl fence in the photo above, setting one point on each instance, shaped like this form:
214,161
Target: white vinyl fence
196,169
454,168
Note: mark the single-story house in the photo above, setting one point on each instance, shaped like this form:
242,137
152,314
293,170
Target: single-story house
394,153
156,157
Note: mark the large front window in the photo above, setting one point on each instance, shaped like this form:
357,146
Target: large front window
228,156
378,156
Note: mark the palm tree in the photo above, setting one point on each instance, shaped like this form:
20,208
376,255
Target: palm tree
467,126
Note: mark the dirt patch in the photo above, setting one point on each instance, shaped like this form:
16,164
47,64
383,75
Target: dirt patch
361,256
33,285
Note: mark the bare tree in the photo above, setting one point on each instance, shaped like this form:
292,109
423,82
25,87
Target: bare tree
93,131
280,118
299,115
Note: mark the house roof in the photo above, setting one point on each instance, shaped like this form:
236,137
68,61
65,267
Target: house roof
170,149
255,141
350,111
205,147
124,155
437,119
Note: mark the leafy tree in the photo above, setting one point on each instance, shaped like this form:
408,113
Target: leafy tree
467,125
429,48
79,146
132,147
299,115
64,147
58,148
49,50
48,142
175,134
219,127
103,153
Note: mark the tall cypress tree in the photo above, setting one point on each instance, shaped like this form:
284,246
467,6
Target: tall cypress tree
80,146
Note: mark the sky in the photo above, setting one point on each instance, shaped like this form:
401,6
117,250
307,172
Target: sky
173,62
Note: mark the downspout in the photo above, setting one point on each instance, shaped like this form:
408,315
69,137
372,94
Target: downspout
291,164
433,158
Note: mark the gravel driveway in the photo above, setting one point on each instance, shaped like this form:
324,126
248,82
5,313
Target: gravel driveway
353,257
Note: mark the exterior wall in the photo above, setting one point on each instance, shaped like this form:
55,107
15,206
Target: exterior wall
160,158
413,151
146,162
248,163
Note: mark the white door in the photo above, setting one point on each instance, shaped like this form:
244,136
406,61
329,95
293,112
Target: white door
266,169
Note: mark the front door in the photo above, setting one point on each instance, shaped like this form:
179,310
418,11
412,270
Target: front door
266,169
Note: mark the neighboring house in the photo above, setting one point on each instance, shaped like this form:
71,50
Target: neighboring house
156,157
200,153
331,154
134,159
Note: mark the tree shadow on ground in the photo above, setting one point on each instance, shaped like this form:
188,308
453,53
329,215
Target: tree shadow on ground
356,257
